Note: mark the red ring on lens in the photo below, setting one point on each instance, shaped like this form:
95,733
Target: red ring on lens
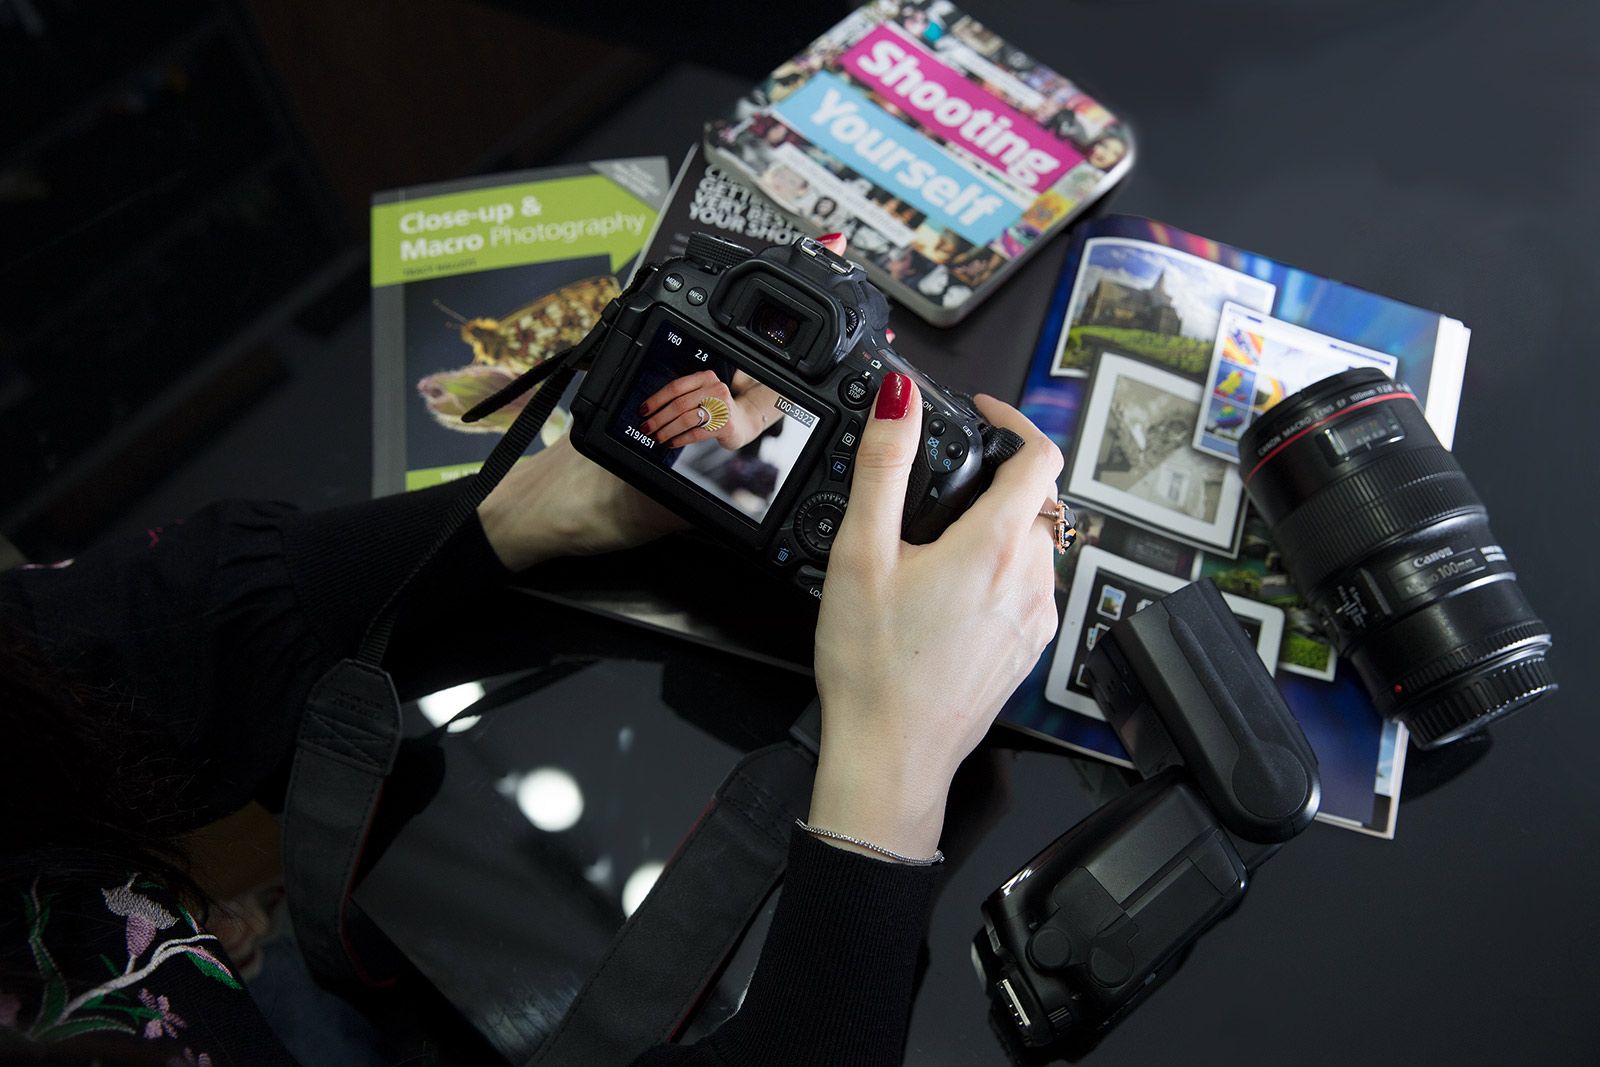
1323,422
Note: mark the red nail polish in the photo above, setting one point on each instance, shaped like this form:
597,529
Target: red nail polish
894,397
825,238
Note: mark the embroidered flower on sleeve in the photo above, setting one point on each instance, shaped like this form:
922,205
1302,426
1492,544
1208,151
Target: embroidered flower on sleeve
189,1059
166,1022
145,917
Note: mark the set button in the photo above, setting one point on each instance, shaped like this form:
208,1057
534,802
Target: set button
817,522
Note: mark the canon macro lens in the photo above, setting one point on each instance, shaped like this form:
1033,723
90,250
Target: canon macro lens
1390,545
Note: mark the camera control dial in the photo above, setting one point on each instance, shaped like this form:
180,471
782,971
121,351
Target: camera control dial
817,521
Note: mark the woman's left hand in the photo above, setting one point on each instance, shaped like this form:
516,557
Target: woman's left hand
558,503
672,415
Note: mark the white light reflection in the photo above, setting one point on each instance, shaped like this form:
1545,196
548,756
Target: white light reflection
599,872
439,708
638,886
550,799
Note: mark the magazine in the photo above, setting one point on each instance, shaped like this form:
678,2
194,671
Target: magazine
476,281
707,198
1159,348
945,154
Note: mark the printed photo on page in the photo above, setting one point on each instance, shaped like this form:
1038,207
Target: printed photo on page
1134,458
1150,301
1105,589
1257,361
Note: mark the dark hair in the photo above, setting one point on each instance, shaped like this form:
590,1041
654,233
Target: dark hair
74,804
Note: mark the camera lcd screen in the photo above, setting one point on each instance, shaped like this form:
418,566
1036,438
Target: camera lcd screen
692,411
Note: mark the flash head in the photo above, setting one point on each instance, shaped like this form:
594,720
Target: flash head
1089,926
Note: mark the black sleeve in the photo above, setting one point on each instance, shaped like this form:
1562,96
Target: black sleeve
204,636
835,979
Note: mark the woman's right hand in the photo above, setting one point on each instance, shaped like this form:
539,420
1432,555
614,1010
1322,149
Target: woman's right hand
918,646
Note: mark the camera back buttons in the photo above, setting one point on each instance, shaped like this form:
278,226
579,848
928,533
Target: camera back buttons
818,520
857,392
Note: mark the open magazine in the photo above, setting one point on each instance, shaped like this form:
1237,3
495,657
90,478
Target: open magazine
1159,349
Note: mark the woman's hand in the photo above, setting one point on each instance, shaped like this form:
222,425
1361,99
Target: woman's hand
674,413
918,646
557,503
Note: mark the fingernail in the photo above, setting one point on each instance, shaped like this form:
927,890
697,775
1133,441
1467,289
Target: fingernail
825,238
888,335
893,397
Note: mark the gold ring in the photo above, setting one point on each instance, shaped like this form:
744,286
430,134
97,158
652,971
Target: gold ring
713,414
1065,523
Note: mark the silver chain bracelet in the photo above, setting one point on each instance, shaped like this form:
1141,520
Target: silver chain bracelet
937,857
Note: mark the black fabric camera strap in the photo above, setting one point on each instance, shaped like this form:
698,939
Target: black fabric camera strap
669,952
349,734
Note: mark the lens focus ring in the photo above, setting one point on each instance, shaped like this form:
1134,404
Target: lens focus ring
1341,525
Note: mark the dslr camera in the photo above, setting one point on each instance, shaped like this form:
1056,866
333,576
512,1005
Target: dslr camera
1088,927
733,388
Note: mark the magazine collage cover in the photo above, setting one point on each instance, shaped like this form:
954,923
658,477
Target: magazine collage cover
1158,350
475,282
706,198
944,153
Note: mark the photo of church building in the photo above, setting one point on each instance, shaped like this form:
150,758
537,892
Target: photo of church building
1112,303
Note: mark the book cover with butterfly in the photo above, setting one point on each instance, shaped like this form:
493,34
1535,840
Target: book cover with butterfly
476,281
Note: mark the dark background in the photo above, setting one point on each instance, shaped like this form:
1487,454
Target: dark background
183,317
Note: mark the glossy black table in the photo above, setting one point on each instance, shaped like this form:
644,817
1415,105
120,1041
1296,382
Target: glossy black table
1440,152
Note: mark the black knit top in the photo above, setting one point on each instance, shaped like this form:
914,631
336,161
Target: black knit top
200,640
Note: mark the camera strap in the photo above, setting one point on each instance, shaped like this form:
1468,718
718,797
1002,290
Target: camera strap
671,950
350,732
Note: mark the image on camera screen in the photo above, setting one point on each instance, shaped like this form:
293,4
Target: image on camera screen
695,413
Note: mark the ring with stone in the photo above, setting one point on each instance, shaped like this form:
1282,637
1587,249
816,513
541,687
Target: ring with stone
1063,522
713,413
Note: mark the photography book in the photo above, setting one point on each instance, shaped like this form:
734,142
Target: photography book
476,281
706,198
1159,348
944,153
